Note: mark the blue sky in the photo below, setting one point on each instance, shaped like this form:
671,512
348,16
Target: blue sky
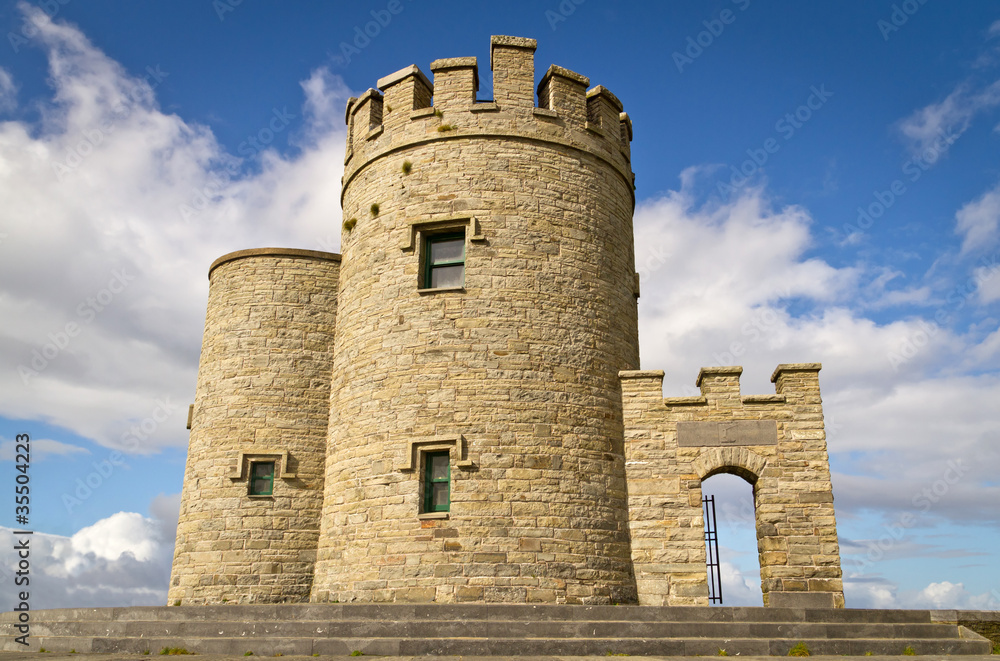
815,183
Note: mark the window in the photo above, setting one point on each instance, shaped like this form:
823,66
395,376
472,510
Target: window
261,478
444,261
437,478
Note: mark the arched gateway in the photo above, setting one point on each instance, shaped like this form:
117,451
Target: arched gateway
775,442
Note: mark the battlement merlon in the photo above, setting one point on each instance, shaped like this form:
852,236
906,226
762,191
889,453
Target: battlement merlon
403,99
798,382
405,90
794,383
456,81
408,109
512,61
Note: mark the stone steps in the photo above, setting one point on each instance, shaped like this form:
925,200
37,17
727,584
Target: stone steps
501,629
490,630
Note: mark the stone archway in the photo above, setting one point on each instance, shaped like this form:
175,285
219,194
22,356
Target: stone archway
776,442
748,466
737,460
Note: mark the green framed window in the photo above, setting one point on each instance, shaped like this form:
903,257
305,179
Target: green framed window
444,261
437,482
261,478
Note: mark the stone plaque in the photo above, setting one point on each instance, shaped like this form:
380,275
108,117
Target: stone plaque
731,432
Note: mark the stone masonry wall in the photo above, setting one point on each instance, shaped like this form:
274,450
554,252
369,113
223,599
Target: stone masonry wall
263,390
776,442
516,373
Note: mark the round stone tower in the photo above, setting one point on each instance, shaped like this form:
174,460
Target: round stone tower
487,303
253,485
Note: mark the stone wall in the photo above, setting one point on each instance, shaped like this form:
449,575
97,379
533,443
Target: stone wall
515,373
776,442
985,623
263,392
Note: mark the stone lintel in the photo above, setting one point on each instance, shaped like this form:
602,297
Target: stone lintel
733,370
794,367
730,433
236,472
434,443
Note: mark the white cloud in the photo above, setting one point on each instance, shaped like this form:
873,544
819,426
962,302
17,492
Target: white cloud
739,588
105,277
8,91
880,593
936,125
124,532
978,222
719,283
988,285
41,448
867,593
123,560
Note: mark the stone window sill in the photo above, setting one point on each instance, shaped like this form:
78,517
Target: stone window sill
432,515
434,290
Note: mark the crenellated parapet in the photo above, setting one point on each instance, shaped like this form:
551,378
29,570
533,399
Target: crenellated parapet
777,442
408,109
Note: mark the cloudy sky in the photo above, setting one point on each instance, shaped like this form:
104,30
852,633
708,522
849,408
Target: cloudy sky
815,184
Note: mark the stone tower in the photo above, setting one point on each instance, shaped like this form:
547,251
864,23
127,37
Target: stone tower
452,410
508,363
262,396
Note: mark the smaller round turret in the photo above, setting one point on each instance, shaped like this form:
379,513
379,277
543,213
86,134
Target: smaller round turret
253,485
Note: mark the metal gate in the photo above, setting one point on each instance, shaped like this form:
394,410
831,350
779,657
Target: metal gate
712,551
